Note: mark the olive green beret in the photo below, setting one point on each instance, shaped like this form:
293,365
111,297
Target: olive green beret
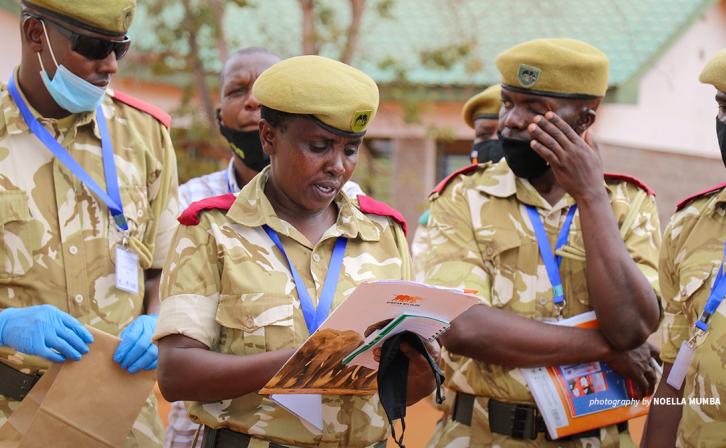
562,67
110,17
714,72
484,104
342,99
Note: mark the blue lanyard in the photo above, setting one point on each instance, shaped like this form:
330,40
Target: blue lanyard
112,199
552,263
714,299
315,317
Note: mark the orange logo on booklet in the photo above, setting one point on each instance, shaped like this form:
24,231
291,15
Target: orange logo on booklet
409,300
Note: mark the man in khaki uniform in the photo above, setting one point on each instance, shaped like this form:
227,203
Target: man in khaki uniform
486,229
232,312
690,260
60,239
481,113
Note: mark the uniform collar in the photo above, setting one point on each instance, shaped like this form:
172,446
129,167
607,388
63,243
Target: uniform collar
251,208
501,182
16,125
719,202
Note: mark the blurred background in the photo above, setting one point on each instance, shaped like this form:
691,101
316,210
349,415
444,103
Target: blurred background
428,56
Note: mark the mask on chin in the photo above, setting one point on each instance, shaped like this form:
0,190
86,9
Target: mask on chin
68,90
521,158
486,151
721,134
246,145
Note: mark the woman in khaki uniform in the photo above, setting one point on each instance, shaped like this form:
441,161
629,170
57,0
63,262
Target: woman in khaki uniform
231,312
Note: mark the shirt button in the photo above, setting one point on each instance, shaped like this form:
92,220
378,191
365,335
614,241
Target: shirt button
78,298
73,250
542,301
316,258
489,250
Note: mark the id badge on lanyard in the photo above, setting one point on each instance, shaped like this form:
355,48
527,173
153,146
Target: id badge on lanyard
684,358
127,261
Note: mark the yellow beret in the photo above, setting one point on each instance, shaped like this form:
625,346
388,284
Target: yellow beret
110,17
484,104
555,66
343,99
714,72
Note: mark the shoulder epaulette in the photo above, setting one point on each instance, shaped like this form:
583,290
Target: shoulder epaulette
190,216
440,187
683,202
155,111
631,179
369,205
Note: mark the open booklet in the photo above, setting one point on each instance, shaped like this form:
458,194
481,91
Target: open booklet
579,397
338,358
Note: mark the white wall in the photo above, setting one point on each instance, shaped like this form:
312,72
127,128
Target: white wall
675,112
9,44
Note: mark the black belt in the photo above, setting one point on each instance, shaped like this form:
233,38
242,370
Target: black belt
226,438
519,421
15,384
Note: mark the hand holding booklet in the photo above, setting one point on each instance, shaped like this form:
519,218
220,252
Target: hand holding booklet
338,357
579,397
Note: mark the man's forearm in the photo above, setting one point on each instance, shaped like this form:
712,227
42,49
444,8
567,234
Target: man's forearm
661,428
624,301
500,337
197,374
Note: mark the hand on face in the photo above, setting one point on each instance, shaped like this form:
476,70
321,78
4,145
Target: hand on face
574,160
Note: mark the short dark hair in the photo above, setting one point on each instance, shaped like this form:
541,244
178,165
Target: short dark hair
277,118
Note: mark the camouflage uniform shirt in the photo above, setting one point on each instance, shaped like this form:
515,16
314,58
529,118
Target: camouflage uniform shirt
57,239
481,238
692,251
226,285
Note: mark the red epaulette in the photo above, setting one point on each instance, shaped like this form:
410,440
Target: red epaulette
683,202
440,187
631,179
369,205
190,216
154,111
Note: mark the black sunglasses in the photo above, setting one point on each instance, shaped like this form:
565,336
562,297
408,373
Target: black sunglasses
92,47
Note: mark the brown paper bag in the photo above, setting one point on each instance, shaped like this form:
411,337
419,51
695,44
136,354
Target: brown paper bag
90,403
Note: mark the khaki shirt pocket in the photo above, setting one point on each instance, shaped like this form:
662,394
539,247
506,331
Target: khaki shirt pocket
20,235
255,323
573,270
137,211
501,252
695,281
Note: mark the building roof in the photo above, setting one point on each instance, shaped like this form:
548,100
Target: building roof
448,42
469,33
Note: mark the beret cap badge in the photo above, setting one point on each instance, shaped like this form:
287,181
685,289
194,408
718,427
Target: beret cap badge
528,75
360,120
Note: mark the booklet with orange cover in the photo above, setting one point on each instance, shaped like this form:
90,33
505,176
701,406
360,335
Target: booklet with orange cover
579,397
337,358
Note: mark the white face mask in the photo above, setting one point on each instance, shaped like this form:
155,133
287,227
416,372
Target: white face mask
70,91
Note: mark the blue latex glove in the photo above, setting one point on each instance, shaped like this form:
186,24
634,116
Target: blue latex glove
136,351
44,331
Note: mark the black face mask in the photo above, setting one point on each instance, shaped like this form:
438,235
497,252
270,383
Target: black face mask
721,134
486,151
393,378
246,145
521,158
